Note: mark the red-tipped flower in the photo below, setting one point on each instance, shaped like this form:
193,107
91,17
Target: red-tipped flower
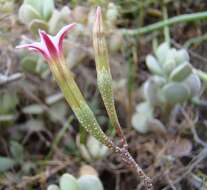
49,46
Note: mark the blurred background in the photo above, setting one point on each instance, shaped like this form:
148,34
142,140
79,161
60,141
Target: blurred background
160,93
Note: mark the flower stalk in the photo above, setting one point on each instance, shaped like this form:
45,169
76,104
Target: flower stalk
51,49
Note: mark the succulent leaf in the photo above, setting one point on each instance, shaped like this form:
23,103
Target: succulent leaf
37,24
161,52
27,13
47,9
139,122
68,182
37,4
53,187
194,84
181,72
174,93
142,116
169,63
182,56
153,65
89,182
151,89
95,148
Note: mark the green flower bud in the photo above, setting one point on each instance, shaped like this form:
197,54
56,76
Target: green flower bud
104,78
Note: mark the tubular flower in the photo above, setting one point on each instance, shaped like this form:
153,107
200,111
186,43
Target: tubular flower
49,46
51,49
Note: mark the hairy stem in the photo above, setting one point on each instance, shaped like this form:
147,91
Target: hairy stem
131,163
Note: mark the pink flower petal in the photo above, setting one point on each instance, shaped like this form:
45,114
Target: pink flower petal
48,44
34,46
61,34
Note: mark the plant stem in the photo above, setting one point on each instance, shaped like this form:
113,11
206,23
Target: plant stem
131,163
161,24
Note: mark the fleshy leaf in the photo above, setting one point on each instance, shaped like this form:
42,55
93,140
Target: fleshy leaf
53,187
182,56
27,13
175,93
68,182
161,52
47,9
193,82
153,65
89,182
181,72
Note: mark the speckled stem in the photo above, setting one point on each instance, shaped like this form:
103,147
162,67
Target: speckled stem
130,162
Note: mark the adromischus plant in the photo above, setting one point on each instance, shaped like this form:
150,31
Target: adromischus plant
51,49
173,81
87,181
42,14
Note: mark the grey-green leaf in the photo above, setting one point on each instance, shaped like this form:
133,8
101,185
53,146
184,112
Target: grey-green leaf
53,187
89,182
139,122
47,9
153,65
182,56
194,84
27,13
161,52
68,182
151,89
37,24
181,72
175,93
36,4
169,63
